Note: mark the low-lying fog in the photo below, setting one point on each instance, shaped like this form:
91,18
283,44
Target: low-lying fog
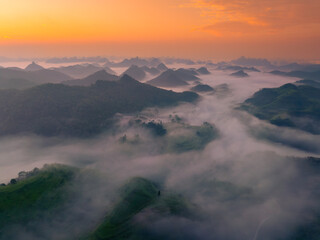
279,190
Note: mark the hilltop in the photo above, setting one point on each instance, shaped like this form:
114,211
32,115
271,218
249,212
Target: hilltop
56,109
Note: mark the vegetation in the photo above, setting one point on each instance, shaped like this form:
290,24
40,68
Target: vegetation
56,109
137,195
44,194
312,83
202,88
287,106
183,137
156,128
173,137
35,197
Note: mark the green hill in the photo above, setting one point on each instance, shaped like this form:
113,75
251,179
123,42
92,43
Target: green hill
170,137
312,83
56,109
288,105
44,195
36,196
137,195
182,137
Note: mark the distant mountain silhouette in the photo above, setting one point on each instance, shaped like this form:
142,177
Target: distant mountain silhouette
36,77
152,70
33,67
299,74
169,78
91,79
77,60
243,61
238,68
140,62
57,109
133,61
15,83
210,64
187,74
277,72
202,88
135,72
192,71
298,67
178,61
161,67
49,76
16,68
312,83
203,70
80,71
109,70
251,62
222,90
239,74
154,62
289,67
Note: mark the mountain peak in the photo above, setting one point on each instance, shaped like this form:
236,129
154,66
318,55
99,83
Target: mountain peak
169,78
162,67
101,73
240,73
203,70
135,72
33,67
127,79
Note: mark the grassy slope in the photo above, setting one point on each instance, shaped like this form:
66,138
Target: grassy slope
35,196
44,194
281,105
138,194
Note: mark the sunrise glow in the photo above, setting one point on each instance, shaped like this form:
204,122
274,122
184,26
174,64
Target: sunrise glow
188,28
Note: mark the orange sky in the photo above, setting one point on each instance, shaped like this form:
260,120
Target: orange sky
201,29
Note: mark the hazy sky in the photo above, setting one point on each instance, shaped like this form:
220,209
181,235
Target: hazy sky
201,29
